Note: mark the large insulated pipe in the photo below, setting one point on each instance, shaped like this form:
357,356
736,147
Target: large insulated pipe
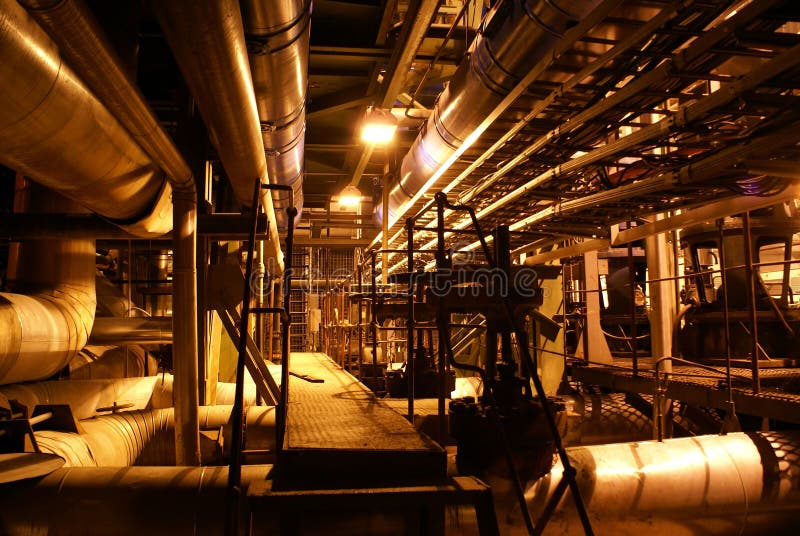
123,501
207,39
516,38
53,129
48,320
90,398
733,484
277,43
89,52
145,437
134,330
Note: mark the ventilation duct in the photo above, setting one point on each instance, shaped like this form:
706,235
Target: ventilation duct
53,129
277,43
515,39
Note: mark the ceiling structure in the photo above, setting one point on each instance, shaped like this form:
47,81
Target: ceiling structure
629,108
641,107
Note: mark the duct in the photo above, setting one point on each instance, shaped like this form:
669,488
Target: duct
146,437
48,320
85,397
88,51
277,42
112,362
207,40
50,122
732,484
124,501
513,41
594,419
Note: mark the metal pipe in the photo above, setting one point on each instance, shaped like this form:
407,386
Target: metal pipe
732,484
125,501
207,39
277,35
135,330
146,437
50,122
85,397
515,39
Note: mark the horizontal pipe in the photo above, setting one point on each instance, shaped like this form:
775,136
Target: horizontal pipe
86,397
54,130
146,437
123,501
731,484
137,330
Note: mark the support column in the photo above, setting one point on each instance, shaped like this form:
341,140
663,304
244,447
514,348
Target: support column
662,296
596,346
184,320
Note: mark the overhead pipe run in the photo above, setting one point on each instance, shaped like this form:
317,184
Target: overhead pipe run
89,52
277,37
53,129
515,39
207,39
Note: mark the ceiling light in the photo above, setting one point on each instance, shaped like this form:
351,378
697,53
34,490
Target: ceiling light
350,196
379,126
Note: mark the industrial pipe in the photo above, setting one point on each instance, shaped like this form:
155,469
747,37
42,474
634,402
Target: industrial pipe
146,437
53,129
86,397
732,484
277,36
207,39
134,330
89,52
49,318
516,38
123,501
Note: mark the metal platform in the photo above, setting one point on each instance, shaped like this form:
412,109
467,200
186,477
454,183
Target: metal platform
339,434
779,397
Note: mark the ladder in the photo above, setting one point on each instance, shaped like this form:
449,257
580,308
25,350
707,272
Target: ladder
234,491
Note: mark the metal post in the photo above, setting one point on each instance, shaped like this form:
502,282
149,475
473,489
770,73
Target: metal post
751,292
374,321
633,330
360,324
286,324
410,320
442,318
725,319
237,415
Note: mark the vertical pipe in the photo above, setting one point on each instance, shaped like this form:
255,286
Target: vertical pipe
751,305
184,320
410,320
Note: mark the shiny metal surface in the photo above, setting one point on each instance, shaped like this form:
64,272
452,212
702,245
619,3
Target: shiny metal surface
135,501
87,50
50,317
515,39
136,330
277,36
24,465
207,39
733,484
50,122
146,437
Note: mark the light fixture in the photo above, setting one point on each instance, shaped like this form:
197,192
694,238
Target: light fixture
379,126
350,196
